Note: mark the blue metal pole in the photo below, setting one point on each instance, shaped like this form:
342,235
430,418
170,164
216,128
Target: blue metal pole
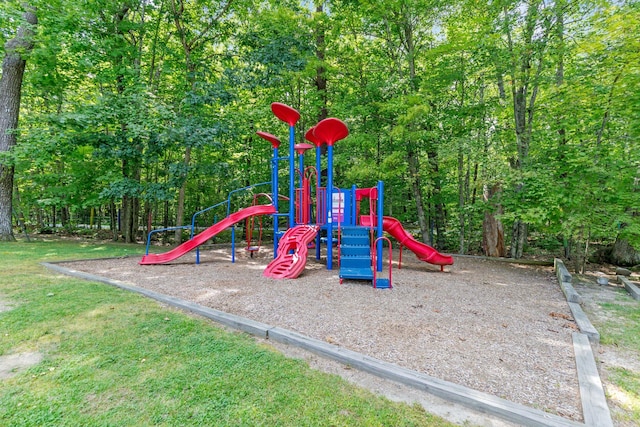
292,177
302,206
353,213
275,191
379,214
319,184
329,207
233,244
301,167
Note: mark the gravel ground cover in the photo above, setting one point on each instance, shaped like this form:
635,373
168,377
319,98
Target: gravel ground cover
496,327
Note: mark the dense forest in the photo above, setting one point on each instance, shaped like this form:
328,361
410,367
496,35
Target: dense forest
496,126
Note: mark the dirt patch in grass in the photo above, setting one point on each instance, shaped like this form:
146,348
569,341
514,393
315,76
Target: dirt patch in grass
13,364
5,306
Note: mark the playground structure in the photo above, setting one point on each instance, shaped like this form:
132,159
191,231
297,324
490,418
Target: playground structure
315,209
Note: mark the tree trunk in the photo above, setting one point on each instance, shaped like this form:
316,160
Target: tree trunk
461,198
321,77
127,218
524,91
181,197
39,219
414,174
64,217
439,215
518,238
13,66
165,222
492,229
113,221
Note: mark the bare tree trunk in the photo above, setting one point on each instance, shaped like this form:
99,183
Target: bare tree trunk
461,198
439,215
181,198
492,229
518,238
524,91
13,66
113,220
321,78
165,222
193,40
414,174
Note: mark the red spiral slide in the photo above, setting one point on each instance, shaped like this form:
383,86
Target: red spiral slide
424,252
199,239
292,253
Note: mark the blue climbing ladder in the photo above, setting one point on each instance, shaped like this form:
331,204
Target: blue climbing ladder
355,254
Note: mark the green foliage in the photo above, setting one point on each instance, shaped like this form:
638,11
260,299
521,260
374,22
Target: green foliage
117,93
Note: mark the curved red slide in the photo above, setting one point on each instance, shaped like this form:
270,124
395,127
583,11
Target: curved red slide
292,253
424,252
199,239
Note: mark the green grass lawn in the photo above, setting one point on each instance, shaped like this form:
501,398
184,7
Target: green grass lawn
622,332
114,358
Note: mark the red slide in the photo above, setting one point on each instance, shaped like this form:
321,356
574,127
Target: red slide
292,253
423,252
199,239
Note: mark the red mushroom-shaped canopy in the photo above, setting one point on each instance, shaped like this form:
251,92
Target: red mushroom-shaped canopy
309,136
275,142
331,130
285,113
302,147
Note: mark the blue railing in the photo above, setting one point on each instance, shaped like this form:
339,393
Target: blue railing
228,212
195,215
242,189
159,230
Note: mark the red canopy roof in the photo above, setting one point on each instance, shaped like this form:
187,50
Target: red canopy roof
309,136
302,147
275,142
285,113
331,130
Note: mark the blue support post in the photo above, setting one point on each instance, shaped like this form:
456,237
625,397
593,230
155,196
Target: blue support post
301,169
319,184
292,177
380,229
233,244
329,207
353,214
275,191
301,166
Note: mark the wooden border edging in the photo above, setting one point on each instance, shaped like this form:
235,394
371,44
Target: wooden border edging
564,277
630,287
584,324
574,300
570,293
594,403
561,271
470,398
